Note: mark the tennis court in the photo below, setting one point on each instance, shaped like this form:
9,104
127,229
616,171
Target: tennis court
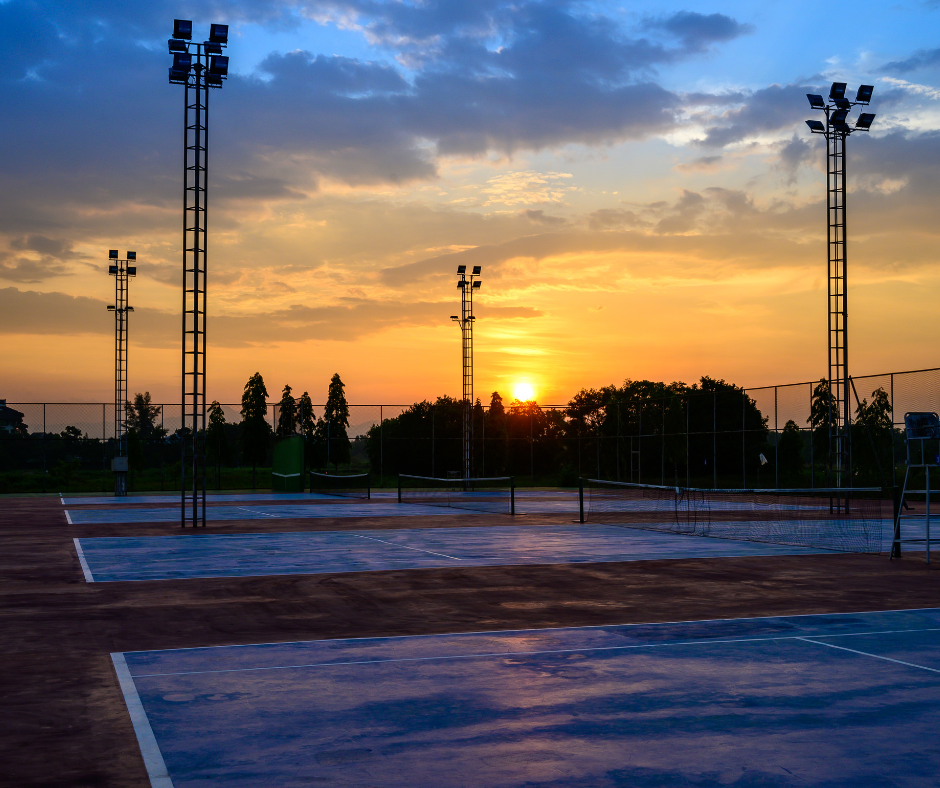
192,555
835,700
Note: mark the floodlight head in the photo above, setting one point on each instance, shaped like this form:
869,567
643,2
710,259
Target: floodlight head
182,61
212,49
110,307
816,101
477,283
461,269
864,94
461,283
837,91
218,34
218,64
843,103
816,127
132,255
112,269
213,80
128,309
476,270
177,45
454,317
112,254
132,270
183,28
864,121
838,117
471,318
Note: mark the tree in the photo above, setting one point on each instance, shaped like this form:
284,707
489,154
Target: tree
216,444
308,423
822,415
255,427
790,450
286,414
331,429
874,426
141,416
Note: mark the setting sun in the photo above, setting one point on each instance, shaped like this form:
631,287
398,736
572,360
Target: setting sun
524,392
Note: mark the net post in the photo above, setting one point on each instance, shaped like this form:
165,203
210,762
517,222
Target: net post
399,488
581,497
896,535
512,495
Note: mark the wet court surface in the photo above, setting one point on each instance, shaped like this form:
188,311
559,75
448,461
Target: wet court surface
834,700
193,555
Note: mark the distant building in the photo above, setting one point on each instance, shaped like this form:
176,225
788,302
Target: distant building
11,420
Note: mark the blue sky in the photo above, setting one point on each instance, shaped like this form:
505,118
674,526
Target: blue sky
637,182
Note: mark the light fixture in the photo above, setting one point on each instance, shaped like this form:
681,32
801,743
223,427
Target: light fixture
218,34
864,94
837,91
864,121
476,270
218,64
816,126
477,283
176,45
112,254
182,28
461,269
815,100
132,256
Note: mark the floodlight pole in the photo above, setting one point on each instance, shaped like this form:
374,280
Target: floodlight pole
467,284
121,272
198,67
837,131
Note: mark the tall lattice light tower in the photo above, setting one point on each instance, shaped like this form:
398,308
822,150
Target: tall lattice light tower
836,131
467,285
121,271
198,67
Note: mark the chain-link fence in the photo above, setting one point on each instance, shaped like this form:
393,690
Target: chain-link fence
727,437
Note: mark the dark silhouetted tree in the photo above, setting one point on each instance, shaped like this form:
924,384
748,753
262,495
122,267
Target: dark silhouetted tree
255,427
286,414
331,429
790,451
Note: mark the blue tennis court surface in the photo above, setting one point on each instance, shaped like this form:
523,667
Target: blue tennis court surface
235,555
833,700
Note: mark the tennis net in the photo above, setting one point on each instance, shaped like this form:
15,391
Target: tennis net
354,486
496,494
799,517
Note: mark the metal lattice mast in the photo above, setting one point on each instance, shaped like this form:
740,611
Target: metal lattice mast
467,285
837,131
121,271
198,67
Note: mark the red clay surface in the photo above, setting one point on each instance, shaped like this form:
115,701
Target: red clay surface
65,722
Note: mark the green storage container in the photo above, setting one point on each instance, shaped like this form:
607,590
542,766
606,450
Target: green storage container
288,467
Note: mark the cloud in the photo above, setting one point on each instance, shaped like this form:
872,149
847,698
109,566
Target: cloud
32,312
702,164
769,109
699,31
540,217
923,58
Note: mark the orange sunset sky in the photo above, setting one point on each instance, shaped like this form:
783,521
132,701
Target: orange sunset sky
639,187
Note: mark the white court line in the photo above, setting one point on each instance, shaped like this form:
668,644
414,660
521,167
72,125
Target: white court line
571,629
540,653
81,559
866,654
153,758
68,518
418,549
255,511
61,499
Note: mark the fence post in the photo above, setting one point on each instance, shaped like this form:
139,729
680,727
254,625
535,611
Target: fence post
581,497
483,447
662,451
43,446
512,495
432,440
743,439
381,448
617,443
639,446
531,454
812,458
894,477
776,444
715,439
688,455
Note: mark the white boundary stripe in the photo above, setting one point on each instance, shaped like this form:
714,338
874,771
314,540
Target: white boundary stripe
584,649
255,511
149,749
89,578
68,518
416,549
569,629
866,654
